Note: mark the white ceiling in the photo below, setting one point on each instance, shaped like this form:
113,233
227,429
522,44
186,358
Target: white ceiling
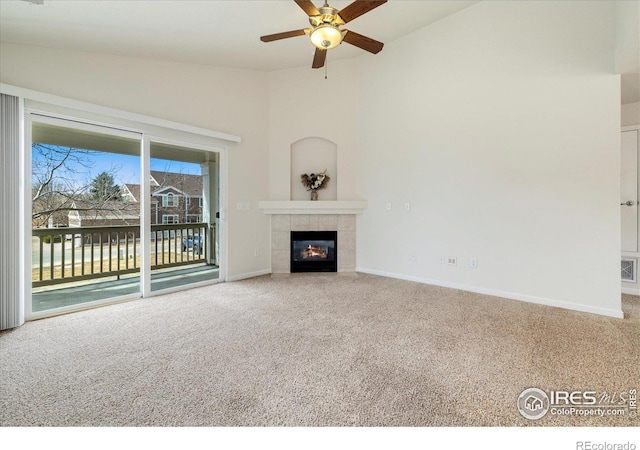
222,33
216,32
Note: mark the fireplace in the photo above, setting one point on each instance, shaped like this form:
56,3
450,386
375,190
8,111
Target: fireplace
314,251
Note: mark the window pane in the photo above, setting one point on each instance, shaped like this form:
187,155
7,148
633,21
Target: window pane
185,240
86,221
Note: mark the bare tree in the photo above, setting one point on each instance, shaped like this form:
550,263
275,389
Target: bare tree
61,183
57,174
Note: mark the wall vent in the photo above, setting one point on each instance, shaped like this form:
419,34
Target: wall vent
628,272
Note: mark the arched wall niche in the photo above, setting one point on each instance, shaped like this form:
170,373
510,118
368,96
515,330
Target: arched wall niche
314,155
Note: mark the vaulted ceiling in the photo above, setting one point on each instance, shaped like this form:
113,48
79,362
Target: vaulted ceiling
221,33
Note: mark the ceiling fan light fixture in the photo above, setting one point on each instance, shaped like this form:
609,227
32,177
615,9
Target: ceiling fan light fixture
326,36
325,30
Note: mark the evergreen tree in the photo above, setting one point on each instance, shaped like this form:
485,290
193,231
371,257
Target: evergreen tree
104,188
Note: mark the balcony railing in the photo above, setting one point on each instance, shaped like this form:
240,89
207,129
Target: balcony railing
63,255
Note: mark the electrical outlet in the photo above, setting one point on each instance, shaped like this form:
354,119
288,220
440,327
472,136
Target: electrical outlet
452,261
257,253
388,206
473,263
413,258
407,206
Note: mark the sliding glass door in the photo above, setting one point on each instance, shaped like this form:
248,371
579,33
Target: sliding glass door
183,206
117,215
85,240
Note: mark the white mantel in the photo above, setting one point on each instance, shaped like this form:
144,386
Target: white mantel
313,207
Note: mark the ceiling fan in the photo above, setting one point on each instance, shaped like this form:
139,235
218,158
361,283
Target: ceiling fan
326,34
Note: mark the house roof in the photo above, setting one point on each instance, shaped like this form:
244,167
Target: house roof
108,211
134,190
188,184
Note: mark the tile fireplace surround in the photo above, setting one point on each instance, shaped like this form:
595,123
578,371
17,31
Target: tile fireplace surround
288,216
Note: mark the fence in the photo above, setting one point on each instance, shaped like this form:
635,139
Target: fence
63,255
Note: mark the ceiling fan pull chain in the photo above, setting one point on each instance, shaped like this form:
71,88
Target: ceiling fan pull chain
326,64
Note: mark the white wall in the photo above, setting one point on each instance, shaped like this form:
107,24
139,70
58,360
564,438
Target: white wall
499,126
314,155
226,100
303,104
630,114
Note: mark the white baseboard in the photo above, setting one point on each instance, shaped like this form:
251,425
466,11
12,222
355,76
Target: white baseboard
618,314
244,276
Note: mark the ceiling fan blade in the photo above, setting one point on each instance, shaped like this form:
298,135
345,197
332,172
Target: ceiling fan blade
319,58
365,43
358,8
286,34
308,7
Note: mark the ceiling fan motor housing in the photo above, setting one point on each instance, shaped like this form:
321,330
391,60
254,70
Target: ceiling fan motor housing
328,15
326,33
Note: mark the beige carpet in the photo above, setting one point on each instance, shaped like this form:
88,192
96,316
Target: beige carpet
312,350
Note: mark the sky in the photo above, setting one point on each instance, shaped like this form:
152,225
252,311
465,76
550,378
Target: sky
123,168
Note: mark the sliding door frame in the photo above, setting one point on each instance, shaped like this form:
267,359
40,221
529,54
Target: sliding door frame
75,124
150,129
222,201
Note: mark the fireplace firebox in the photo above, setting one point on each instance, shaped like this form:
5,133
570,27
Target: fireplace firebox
314,251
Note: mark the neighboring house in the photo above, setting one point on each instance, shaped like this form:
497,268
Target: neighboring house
103,214
130,192
51,212
175,197
113,213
